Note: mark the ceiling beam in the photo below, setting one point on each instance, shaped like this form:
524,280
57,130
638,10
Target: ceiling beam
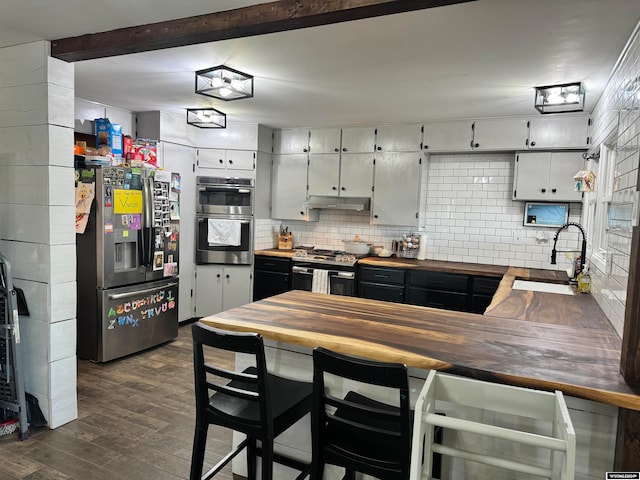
257,19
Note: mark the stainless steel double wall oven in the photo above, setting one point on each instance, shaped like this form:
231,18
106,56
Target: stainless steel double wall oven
224,220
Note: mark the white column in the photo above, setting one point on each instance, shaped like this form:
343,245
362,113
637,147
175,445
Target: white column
37,217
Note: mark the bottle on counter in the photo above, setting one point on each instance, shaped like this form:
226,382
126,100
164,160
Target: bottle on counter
584,281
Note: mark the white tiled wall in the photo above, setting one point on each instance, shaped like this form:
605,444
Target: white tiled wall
37,217
617,115
466,211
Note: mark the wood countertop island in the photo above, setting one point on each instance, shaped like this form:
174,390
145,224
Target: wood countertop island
581,362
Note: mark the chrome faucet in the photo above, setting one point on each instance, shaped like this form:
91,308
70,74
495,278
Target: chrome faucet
583,250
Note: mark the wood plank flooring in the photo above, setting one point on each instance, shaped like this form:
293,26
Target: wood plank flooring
135,422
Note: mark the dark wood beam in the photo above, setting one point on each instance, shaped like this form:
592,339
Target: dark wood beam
257,19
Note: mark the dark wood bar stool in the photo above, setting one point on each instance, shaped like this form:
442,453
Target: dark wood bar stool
253,402
356,432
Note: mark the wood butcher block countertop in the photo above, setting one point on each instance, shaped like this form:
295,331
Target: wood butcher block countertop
531,339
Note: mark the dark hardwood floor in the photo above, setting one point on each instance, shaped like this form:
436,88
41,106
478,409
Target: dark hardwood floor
135,421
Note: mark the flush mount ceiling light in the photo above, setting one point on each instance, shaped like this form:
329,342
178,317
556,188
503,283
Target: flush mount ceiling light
568,97
224,83
206,118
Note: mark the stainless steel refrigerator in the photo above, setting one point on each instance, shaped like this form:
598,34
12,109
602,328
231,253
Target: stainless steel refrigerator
127,244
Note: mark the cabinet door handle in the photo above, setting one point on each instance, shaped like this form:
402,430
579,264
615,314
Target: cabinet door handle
344,149
543,190
377,275
301,213
230,162
426,147
220,160
533,144
476,145
375,216
553,190
305,150
379,148
342,188
227,276
336,150
334,188
218,275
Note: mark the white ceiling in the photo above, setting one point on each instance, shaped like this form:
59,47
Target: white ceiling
470,60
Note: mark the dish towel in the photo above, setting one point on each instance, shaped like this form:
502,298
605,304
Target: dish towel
320,283
223,232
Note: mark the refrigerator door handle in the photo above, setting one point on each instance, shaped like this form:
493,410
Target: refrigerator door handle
142,245
117,296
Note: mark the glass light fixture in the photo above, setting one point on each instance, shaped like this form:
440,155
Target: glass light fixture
224,83
206,118
568,97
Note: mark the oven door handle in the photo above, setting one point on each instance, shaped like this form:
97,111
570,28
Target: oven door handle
224,188
302,270
335,273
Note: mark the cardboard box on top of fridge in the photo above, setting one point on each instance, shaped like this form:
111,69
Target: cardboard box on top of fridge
109,134
144,150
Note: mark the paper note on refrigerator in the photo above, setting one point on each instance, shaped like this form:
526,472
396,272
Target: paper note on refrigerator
85,192
127,201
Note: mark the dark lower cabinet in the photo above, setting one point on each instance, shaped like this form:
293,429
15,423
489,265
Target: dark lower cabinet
271,276
438,299
482,293
448,291
377,283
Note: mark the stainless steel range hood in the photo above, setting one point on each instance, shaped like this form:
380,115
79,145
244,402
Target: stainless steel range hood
337,203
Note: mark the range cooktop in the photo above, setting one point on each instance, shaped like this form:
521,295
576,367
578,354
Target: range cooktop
328,257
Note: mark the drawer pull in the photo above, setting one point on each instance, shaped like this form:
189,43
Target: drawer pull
377,275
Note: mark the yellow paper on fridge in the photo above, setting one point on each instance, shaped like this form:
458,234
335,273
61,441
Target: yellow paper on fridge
127,201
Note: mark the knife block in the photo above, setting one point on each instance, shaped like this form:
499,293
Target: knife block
285,242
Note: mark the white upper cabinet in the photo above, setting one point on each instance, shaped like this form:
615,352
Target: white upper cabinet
291,140
500,134
289,188
396,193
216,158
399,138
324,174
547,176
358,139
454,136
346,175
559,131
485,134
346,140
356,175
324,140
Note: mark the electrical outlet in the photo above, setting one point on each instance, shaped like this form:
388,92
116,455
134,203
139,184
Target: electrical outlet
517,237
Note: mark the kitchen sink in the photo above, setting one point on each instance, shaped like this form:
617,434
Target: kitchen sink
545,287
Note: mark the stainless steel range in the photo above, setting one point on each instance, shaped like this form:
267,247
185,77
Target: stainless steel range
325,271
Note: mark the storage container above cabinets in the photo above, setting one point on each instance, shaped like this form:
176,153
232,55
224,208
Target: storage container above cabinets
547,176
